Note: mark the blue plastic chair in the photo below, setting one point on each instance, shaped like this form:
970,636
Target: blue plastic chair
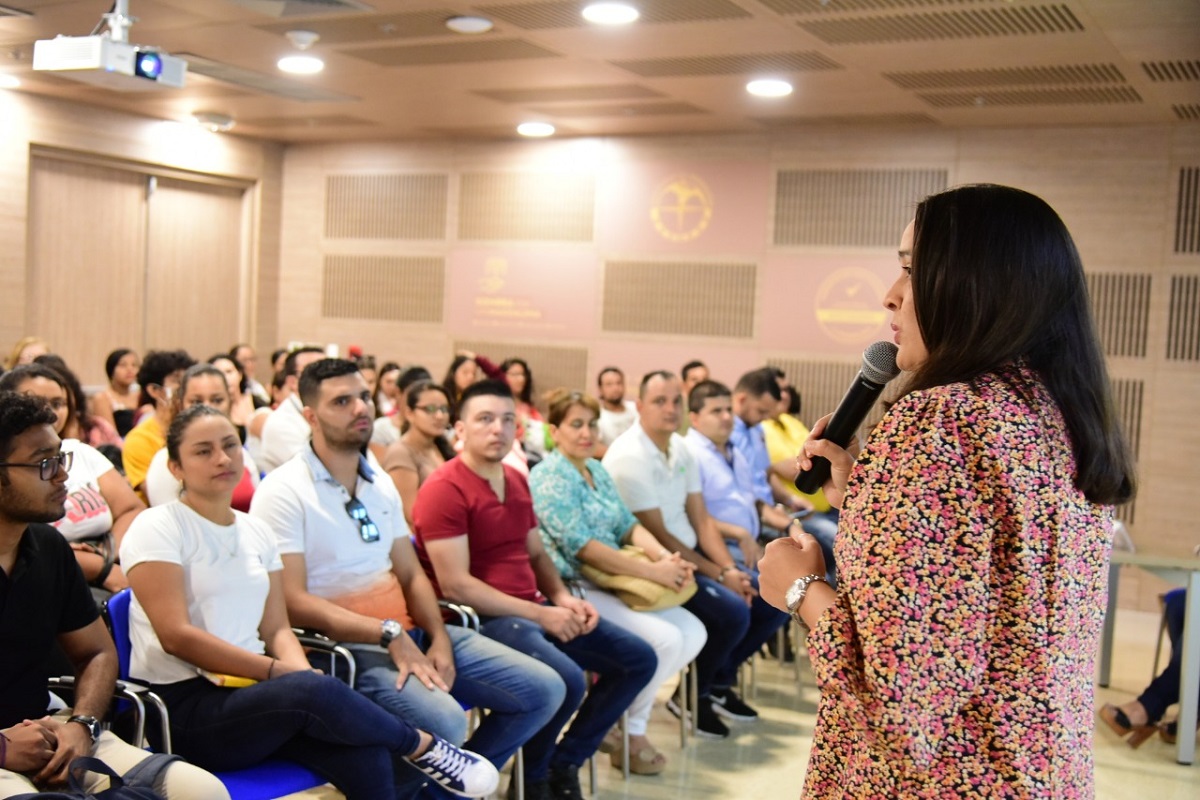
266,781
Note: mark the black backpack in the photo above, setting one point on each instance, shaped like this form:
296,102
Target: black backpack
137,784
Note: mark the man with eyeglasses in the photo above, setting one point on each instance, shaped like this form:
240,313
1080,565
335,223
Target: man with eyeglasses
478,540
350,572
44,599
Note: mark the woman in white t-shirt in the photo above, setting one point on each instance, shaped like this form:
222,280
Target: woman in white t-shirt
99,499
210,633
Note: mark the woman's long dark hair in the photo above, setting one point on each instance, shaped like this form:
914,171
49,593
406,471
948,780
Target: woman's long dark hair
526,394
412,396
996,278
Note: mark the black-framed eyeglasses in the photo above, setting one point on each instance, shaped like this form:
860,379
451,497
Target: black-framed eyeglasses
49,466
368,530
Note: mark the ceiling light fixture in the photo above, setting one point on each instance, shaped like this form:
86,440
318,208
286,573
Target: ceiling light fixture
9,81
535,129
610,13
214,121
301,64
769,87
470,25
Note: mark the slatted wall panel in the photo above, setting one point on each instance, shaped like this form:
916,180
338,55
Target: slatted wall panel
1129,396
690,299
1183,323
552,367
849,208
386,206
525,206
1121,309
391,288
1187,211
822,384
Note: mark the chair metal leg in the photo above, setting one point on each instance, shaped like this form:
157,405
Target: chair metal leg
519,773
683,704
624,746
694,698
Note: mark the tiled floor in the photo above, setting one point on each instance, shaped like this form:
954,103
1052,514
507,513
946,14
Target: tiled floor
765,760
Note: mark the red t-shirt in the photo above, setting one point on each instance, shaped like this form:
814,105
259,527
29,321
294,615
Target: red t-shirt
455,501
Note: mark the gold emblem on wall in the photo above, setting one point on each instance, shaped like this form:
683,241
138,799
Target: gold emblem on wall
849,305
682,208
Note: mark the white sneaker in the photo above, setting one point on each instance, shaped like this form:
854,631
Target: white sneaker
458,771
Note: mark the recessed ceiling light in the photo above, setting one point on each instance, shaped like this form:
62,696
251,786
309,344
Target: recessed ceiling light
769,87
610,13
215,121
469,24
535,129
301,65
9,81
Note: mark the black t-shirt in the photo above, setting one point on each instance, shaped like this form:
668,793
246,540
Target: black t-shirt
45,595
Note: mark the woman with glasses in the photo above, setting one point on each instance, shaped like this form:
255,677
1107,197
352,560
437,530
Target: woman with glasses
210,634
202,384
159,378
422,447
99,501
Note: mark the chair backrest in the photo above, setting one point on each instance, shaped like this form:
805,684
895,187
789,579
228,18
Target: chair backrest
117,610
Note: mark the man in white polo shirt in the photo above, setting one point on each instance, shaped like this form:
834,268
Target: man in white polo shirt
350,572
657,478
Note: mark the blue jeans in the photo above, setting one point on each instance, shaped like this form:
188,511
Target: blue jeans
312,719
735,631
624,663
823,528
520,693
1163,691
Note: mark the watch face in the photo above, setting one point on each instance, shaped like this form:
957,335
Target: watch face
793,597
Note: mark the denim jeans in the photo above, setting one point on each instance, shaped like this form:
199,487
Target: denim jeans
1163,691
520,693
312,719
624,663
735,631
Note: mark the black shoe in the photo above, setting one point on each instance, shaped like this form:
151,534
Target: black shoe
708,724
726,703
564,784
534,790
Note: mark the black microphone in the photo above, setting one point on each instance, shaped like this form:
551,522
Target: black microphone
878,367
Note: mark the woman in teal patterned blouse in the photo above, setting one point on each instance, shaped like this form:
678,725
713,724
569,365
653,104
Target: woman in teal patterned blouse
956,658
582,519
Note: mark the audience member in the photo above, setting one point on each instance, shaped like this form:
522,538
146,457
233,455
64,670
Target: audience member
46,601
278,361
617,414
530,430
658,480
349,571
285,432
201,385
422,447
478,539
242,405
208,613
25,351
387,396
247,359
690,374
159,378
118,402
582,520
81,424
99,502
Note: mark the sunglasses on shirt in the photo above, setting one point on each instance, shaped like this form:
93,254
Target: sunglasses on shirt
368,530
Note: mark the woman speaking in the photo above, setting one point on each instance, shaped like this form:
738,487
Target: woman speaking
955,658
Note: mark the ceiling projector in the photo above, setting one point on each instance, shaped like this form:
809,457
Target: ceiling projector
103,61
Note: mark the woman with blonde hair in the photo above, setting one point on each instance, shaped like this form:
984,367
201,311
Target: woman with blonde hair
25,351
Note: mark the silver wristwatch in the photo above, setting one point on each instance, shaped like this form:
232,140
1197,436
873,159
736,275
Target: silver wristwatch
389,629
90,723
795,594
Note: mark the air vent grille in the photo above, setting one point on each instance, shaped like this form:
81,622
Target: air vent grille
826,8
451,53
1172,71
1188,112
1187,211
390,288
527,207
898,118
1108,95
569,94
386,206
689,299
821,385
539,16
1129,398
981,23
1018,76
260,82
618,110
1183,326
1121,308
728,65
849,208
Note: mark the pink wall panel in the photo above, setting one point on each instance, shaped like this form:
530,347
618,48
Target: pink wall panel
825,305
684,207
523,292
637,357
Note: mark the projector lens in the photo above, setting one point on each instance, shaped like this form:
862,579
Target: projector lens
149,65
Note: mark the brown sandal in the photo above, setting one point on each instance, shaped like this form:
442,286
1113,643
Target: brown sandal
646,761
1116,720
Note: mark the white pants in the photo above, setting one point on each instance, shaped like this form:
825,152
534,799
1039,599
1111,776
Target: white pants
181,781
675,634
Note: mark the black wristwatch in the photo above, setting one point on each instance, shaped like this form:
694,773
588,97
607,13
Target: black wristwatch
91,723
389,629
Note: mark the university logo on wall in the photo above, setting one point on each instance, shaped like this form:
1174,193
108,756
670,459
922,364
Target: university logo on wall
682,208
849,305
